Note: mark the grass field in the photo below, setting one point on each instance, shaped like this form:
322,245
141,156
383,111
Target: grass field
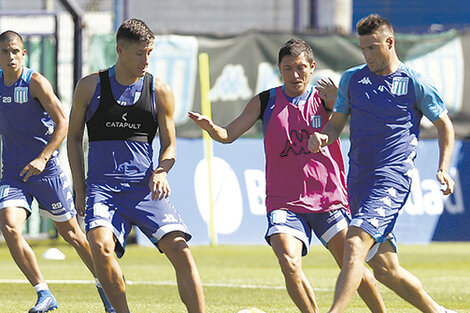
234,277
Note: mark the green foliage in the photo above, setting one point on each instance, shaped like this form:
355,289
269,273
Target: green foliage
234,277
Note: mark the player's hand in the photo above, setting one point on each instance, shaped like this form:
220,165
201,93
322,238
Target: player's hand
35,167
80,205
317,141
159,185
327,91
201,121
446,181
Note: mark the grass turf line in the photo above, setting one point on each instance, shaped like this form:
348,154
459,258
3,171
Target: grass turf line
234,277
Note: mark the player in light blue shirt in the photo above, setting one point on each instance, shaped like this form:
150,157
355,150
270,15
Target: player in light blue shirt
32,126
385,101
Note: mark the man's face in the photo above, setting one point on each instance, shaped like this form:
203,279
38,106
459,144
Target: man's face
377,51
135,56
11,55
296,72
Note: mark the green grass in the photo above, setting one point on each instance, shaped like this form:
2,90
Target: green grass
234,277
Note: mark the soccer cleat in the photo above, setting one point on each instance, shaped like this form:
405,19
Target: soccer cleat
108,308
46,302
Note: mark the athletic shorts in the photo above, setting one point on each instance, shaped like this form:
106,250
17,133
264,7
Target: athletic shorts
52,192
301,225
375,209
121,206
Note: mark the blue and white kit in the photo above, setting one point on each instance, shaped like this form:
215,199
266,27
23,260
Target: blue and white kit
121,124
385,114
26,128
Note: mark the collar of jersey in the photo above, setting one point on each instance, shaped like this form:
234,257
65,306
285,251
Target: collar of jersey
299,99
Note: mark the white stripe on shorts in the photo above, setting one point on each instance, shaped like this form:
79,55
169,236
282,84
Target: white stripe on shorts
57,218
280,229
333,230
165,229
18,203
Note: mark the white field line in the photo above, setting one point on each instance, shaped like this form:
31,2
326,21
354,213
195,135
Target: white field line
155,283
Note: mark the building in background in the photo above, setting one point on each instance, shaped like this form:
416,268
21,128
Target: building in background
227,17
417,16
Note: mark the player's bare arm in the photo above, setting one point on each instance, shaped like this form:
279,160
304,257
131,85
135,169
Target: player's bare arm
165,108
82,97
42,90
329,133
233,130
446,138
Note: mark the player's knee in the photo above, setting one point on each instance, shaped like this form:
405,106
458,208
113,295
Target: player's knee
290,266
10,230
101,249
384,274
353,243
173,244
73,237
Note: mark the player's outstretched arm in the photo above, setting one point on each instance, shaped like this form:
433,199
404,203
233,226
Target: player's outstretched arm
446,138
233,130
165,108
83,93
329,133
42,90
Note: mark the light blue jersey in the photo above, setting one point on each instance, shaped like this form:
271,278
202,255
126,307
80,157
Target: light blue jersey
385,115
25,126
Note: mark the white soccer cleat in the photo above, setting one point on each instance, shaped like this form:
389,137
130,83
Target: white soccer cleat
444,310
46,302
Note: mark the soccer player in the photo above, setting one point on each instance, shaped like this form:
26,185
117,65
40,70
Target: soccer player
386,101
32,126
123,106
305,192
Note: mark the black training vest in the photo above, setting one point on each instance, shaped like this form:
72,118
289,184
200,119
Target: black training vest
113,121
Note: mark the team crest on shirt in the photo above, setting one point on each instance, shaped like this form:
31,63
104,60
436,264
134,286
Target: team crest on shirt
399,86
315,121
21,94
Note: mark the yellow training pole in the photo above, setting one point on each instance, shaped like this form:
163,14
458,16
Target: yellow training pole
207,111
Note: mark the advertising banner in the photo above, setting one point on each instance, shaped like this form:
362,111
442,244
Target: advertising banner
238,184
244,65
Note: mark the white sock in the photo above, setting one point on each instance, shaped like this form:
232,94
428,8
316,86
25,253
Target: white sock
97,283
41,287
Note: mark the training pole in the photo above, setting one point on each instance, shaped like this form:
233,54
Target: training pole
207,140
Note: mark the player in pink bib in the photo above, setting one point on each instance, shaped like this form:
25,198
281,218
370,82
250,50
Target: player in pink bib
305,193
316,183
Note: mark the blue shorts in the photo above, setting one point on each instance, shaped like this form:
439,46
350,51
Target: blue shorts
52,192
375,207
121,206
301,225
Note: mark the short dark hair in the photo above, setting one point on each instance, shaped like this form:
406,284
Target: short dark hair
134,30
295,47
10,35
371,24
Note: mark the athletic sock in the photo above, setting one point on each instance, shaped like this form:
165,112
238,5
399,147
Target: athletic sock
97,283
40,287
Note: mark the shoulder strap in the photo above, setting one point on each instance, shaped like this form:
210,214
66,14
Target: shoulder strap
263,98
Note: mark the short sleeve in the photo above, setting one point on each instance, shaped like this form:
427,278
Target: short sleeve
428,98
342,104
